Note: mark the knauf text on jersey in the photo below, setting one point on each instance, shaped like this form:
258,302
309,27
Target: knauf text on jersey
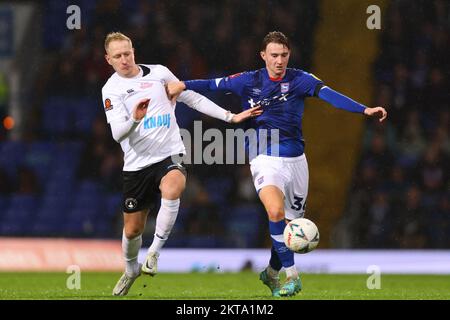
157,121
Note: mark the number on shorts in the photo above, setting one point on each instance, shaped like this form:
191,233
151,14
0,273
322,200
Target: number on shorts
297,205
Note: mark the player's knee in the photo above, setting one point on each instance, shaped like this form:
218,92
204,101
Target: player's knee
275,213
173,188
172,192
133,232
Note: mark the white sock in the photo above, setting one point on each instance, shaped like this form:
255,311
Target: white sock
164,223
130,249
272,272
291,272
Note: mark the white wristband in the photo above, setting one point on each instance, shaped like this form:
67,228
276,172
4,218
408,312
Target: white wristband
229,116
134,120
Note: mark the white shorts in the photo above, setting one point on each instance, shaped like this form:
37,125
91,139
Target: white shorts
290,175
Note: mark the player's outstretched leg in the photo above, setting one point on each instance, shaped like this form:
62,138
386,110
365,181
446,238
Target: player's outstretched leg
164,223
291,287
125,282
150,266
130,249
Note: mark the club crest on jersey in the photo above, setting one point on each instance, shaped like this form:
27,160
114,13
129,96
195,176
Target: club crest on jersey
284,87
145,85
108,105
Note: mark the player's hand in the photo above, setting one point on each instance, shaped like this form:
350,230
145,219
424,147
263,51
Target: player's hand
378,112
140,110
249,113
174,88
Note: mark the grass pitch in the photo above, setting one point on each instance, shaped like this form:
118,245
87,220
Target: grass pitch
223,286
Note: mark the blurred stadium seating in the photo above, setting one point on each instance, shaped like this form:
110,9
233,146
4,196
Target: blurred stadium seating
63,173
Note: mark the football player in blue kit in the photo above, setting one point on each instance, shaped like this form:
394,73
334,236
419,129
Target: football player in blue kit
280,173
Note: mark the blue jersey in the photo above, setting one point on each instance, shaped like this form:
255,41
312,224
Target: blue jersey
281,99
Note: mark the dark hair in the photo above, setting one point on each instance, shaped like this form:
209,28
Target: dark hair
275,37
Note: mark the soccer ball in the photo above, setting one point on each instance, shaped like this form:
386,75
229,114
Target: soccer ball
301,235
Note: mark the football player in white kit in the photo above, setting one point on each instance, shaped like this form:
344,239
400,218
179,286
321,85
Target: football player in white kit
142,120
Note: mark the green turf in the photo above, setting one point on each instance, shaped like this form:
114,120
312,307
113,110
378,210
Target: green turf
244,285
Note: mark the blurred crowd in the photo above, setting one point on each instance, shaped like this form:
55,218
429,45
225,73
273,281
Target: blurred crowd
194,39
400,194
401,191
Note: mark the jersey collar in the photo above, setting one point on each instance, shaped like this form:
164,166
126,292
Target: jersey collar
145,70
278,79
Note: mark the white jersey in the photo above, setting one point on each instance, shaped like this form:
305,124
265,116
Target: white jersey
157,136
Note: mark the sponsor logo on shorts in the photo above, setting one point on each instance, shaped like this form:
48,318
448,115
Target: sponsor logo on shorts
260,180
130,203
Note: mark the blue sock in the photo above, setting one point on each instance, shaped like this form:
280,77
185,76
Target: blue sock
285,255
275,261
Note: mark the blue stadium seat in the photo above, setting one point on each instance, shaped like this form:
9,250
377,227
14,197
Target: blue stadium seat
39,157
113,205
23,202
50,217
4,205
60,183
53,35
12,154
56,116
86,200
218,189
84,114
80,222
182,218
88,187
19,216
244,223
204,241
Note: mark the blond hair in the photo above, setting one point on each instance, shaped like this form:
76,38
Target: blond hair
114,36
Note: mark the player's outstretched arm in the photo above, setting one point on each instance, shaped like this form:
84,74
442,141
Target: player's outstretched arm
341,101
233,84
202,104
247,114
378,112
